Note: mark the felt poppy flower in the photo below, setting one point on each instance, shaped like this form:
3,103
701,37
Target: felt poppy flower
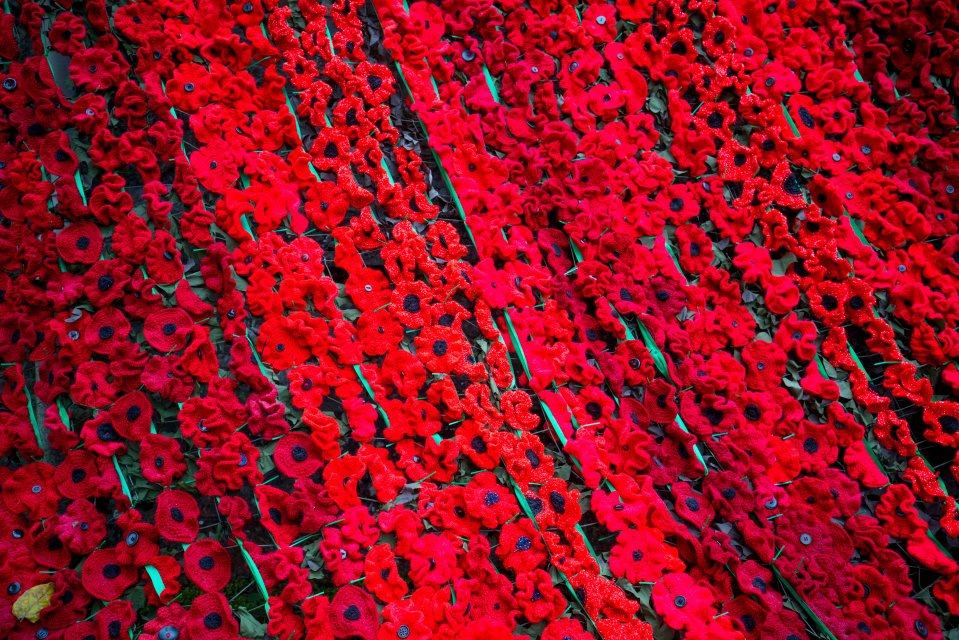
177,516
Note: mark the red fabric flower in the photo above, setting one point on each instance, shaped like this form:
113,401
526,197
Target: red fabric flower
353,614
177,516
104,578
207,564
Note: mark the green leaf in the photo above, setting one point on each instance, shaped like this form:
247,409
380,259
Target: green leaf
250,627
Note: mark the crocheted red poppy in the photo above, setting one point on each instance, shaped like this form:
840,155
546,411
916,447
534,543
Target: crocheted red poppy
131,415
210,616
56,155
177,516
31,489
80,242
77,476
353,614
208,564
161,459
115,619
104,578
81,528
296,456
167,330
108,329
140,544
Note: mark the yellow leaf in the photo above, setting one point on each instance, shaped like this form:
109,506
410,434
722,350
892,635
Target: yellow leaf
32,601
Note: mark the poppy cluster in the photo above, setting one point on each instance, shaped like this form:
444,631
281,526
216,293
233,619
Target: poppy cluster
723,256
435,319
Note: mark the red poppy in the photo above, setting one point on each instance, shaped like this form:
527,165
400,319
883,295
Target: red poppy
104,578
161,460
56,155
30,490
177,516
296,456
80,242
207,564
115,619
210,616
167,330
382,577
77,476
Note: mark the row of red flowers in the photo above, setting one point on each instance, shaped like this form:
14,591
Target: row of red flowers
570,180
284,371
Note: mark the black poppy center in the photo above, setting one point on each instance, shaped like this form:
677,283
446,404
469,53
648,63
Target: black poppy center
558,501
212,620
949,424
533,458
411,303
478,444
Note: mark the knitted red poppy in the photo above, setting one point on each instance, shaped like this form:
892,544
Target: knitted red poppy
31,489
107,330
115,619
167,330
161,459
131,415
210,616
77,476
296,456
177,516
80,242
104,578
208,564
353,614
